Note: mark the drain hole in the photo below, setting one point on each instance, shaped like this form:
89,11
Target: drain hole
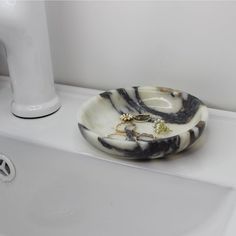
7,168
2,172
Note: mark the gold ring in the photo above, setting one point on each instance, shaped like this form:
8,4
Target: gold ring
115,134
130,126
145,137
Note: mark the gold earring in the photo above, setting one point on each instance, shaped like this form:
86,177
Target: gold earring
126,117
160,127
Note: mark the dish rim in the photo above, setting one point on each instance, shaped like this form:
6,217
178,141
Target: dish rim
85,105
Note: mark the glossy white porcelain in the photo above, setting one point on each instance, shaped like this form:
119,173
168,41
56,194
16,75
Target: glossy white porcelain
24,33
41,142
61,193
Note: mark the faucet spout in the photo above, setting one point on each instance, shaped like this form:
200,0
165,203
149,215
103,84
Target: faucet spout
24,33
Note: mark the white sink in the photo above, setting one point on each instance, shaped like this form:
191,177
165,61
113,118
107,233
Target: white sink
63,193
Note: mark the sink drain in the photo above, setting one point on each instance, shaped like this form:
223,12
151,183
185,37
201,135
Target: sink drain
7,169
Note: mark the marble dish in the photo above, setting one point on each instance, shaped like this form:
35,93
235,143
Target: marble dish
184,114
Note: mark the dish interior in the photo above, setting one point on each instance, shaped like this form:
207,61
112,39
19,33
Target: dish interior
180,110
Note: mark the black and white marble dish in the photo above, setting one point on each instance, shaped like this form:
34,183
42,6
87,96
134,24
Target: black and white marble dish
184,114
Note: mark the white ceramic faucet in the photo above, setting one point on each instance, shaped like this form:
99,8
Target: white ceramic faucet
23,31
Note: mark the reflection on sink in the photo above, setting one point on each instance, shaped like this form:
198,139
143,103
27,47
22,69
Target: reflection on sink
61,193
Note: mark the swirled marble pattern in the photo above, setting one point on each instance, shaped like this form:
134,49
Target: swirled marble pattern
185,114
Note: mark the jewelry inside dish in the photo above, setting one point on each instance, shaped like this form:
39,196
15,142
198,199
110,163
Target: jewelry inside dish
142,122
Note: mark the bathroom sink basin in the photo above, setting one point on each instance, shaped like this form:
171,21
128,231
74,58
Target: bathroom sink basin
62,193
142,122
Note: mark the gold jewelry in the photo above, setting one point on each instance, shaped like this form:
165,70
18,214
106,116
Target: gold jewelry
119,128
116,134
127,127
126,117
142,117
145,137
160,127
139,118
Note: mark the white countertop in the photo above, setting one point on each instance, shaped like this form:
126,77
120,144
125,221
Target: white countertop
213,159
